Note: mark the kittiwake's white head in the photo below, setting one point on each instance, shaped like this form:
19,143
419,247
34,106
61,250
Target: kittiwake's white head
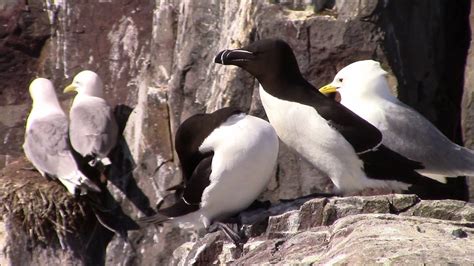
360,80
86,83
43,94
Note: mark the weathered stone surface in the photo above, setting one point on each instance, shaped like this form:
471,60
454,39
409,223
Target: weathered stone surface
156,61
24,28
368,239
467,107
367,231
444,210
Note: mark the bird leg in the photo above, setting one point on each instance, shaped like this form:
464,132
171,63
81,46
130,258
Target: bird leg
93,162
233,235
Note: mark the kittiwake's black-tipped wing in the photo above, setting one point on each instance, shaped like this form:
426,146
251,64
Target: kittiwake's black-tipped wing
386,164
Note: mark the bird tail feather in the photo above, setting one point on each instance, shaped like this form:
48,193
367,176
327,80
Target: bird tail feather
105,161
88,184
77,180
154,219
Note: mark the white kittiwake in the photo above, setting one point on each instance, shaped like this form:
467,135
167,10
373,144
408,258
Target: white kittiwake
363,88
46,140
93,129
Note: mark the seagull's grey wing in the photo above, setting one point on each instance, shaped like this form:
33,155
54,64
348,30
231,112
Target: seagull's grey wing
46,144
93,128
410,134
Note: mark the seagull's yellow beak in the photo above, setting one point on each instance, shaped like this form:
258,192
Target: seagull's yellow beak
328,89
70,88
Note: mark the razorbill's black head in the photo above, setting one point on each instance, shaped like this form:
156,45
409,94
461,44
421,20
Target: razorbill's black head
327,134
220,153
266,60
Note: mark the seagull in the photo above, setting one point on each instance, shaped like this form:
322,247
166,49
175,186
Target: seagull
46,140
227,158
330,136
93,130
363,89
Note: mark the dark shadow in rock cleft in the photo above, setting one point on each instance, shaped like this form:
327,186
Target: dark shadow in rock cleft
121,171
111,217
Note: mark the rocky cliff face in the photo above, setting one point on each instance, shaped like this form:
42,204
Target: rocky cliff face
156,60
394,229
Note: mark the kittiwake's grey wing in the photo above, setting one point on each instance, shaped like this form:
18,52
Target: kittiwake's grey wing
47,148
413,136
93,128
46,144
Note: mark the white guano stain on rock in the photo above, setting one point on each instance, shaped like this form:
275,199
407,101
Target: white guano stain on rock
124,43
59,13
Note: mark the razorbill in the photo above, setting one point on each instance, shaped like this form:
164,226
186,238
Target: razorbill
46,140
93,129
227,158
334,139
363,88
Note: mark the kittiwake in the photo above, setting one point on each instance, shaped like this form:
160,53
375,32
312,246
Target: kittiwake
93,129
46,140
363,88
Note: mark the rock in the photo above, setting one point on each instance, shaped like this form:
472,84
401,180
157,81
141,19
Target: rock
367,231
155,58
400,203
24,30
445,210
467,113
40,222
459,233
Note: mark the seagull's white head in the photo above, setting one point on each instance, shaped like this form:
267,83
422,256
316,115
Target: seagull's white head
43,94
86,83
360,80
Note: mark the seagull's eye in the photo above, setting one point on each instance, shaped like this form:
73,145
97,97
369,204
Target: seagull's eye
339,79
